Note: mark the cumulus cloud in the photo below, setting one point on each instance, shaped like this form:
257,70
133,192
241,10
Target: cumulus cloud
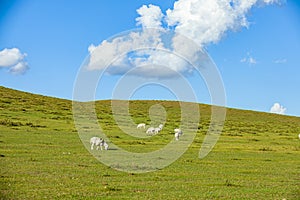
278,109
115,51
13,60
203,22
150,16
206,21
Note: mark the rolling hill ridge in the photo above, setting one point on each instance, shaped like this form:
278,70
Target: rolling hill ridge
257,155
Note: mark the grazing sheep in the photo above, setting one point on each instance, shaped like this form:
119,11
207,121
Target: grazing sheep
141,125
177,130
161,126
299,136
99,142
95,141
178,133
157,130
150,130
104,144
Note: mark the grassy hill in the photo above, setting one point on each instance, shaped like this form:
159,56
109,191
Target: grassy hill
42,156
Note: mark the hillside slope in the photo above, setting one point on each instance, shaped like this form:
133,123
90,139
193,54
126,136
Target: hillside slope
257,155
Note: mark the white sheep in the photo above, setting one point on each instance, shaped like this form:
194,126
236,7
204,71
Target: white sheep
104,144
157,130
141,125
99,142
95,141
161,126
150,130
177,130
299,136
178,133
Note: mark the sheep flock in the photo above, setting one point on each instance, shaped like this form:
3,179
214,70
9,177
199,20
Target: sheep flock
99,143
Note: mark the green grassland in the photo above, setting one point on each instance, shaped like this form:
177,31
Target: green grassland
256,157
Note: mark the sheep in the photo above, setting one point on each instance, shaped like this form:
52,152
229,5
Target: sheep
95,141
150,130
178,133
141,125
99,142
157,130
176,136
299,136
177,130
161,126
104,144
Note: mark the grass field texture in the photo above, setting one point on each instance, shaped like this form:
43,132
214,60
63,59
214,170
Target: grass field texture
256,157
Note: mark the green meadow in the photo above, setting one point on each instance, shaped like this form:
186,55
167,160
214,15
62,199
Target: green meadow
42,156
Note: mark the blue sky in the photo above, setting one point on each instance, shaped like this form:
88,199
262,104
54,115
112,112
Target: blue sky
258,64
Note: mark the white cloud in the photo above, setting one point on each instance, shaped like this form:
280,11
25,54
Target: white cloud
19,68
150,16
13,60
114,52
280,61
274,1
252,61
243,60
278,109
208,21
249,59
202,21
